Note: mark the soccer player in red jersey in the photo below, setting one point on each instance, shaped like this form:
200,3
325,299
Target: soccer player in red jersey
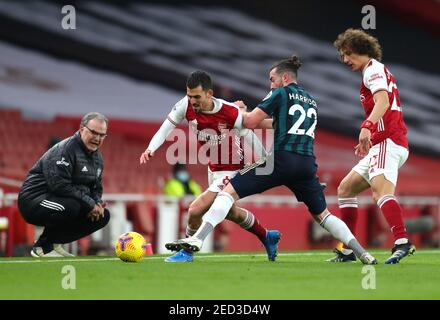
383,145
213,120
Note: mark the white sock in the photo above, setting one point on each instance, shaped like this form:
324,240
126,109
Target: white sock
348,202
401,241
337,228
219,209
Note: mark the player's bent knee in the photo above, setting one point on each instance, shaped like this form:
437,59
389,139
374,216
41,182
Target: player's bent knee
376,196
344,190
229,189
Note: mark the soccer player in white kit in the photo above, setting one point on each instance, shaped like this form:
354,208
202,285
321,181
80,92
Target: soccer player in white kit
215,122
383,145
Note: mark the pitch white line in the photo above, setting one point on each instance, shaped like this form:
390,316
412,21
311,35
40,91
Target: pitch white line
287,254
201,256
36,260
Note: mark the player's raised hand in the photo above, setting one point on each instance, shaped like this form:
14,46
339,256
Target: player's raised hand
145,156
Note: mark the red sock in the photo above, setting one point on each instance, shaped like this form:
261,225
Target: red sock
349,213
393,214
252,225
258,230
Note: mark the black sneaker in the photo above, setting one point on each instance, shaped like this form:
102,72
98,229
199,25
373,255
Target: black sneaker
400,251
173,246
341,257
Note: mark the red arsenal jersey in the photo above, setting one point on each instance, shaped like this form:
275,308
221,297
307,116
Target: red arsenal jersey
216,130
376,77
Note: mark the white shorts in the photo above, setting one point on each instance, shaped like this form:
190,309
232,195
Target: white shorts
383,158
218,180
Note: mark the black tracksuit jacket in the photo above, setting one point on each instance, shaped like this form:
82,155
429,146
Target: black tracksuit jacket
68,169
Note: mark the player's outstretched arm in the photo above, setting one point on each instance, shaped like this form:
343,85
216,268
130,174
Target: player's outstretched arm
158,139
252,119
265,124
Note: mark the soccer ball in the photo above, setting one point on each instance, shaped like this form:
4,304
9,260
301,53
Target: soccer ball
130,247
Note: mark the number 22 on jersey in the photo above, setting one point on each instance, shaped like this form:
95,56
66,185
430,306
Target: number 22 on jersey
311,113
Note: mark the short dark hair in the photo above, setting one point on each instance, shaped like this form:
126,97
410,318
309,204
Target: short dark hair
291,65
93,115
199,78
359,42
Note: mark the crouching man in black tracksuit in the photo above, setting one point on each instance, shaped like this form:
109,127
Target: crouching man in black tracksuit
63,190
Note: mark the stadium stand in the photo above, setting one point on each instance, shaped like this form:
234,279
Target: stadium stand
161,44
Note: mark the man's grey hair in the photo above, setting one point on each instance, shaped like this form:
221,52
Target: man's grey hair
93,115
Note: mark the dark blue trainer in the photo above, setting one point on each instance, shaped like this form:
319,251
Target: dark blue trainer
400,251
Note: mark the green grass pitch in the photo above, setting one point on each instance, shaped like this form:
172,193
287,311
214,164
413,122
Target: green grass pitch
295,275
